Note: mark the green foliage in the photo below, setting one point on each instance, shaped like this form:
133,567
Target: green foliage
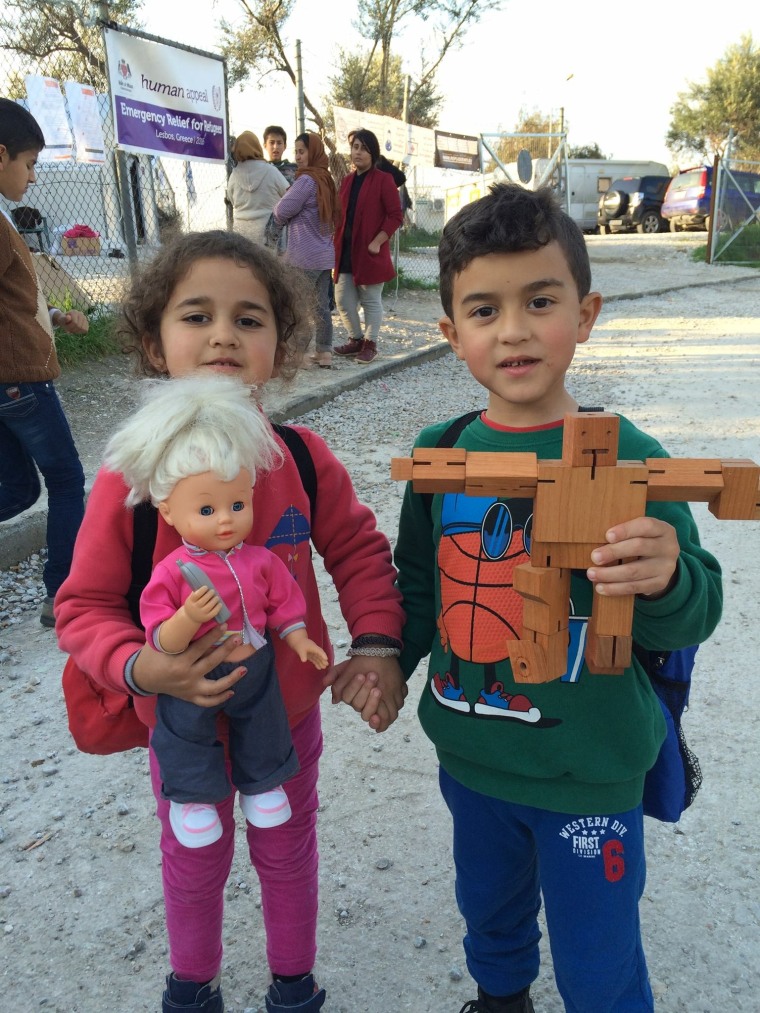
411,237
358,84
97,343
405,281
586,151
743,249
56,37
728,100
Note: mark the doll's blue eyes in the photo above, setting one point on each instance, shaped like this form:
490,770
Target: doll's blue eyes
206,511
237,507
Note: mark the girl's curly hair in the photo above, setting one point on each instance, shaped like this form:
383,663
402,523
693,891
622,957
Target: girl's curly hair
290,292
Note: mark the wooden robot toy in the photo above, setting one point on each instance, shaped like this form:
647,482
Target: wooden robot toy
576,501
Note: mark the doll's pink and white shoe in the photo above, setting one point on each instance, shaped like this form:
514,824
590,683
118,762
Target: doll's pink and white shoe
195,824
269,809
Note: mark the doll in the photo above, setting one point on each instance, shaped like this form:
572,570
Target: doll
194,449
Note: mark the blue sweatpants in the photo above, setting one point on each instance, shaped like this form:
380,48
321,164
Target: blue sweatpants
591,872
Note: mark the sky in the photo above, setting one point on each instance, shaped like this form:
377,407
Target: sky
615,69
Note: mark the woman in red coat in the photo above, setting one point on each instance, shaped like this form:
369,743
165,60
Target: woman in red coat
371,214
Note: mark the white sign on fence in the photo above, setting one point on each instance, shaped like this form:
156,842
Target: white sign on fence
85,121
46,104
166,101
399,141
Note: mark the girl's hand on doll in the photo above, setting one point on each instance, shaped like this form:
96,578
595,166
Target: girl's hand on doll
202,605
640,557
184,675
374,687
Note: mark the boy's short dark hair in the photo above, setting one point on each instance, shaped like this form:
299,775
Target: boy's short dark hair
19,131
370,142
510,219
274,129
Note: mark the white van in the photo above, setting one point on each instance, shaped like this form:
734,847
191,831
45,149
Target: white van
587,178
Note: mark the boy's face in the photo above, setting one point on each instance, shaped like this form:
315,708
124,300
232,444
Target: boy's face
274,146
516,321
16,173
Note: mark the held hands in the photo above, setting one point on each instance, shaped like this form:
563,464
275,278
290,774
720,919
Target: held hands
374,687
640,557
72,322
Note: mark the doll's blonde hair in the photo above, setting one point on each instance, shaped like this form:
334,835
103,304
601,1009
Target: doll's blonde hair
186,427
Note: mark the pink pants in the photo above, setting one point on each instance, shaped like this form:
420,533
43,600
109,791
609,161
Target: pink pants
285,859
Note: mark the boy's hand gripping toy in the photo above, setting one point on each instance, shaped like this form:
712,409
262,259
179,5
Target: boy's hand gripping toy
576,501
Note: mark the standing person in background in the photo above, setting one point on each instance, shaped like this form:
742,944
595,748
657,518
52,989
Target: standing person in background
311,210
371,213
254,187
34,431
275,142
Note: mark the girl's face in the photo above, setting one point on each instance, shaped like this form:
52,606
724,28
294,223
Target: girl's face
218,317
301,155
361,157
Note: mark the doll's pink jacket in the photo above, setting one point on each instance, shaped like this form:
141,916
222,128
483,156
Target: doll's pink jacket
93,621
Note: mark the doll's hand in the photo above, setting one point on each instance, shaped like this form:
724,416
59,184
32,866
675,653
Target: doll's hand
184,675
313,652
202,605
650,549
374,687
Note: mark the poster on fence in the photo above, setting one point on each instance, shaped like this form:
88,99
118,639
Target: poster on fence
399,141
166,101
46,104
457,151
85,121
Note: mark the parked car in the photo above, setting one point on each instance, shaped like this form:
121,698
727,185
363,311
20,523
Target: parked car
687,201
633,202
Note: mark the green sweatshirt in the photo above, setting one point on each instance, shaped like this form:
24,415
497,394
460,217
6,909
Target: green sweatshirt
582,743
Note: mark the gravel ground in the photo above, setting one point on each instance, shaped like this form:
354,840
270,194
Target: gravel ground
80,901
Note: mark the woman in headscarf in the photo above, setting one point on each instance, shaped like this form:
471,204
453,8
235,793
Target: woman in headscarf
254,187
311,211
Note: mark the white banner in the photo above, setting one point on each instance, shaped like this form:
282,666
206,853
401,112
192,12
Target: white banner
85,121
166,101
399,141
46,104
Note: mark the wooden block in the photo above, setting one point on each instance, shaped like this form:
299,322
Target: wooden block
608,655
538,657
401,469
546,598
438,469
580,504
590,439
686,480
739,499
611,616
505,475
570,555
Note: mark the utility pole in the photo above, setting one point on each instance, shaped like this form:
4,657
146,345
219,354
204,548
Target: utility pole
299,84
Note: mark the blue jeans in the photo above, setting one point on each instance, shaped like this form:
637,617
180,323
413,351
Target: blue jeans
590,871
35,431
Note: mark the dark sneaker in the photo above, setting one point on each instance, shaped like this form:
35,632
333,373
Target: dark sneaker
368,352
189,995
304,995
488,1004
46,614
352,347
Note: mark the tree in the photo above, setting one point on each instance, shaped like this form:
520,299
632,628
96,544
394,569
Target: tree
586,151
260,43
728,100
59,39
356,87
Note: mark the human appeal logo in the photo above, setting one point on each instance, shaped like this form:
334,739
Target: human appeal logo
598,837
216,96
124,72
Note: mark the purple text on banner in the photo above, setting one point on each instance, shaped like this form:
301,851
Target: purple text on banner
193,135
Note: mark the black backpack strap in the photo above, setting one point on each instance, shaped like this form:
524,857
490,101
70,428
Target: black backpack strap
144,530
448,438
304,462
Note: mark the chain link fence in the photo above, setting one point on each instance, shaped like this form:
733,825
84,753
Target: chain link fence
131,201
735,236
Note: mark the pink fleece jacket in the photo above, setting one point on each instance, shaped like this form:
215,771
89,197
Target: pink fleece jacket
93,620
